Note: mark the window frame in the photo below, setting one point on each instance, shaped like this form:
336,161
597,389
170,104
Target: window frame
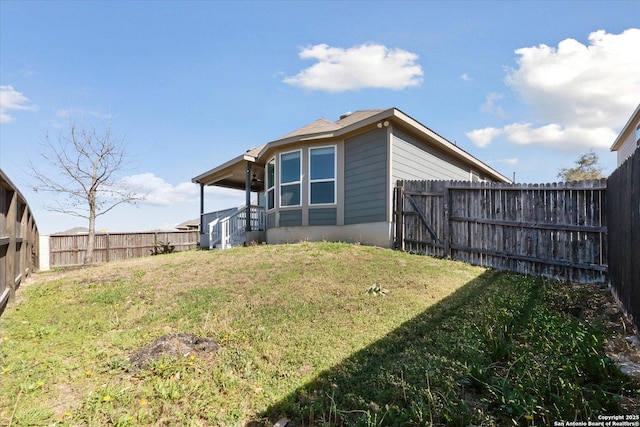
270,186
334,179
291,183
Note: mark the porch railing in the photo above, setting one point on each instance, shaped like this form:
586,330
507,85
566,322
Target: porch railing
229,229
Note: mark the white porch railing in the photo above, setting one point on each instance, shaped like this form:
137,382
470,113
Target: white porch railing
229,228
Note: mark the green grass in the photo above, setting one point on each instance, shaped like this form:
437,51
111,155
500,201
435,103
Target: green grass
300,336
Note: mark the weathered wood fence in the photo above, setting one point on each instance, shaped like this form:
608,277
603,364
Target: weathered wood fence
18,240
69,249
623,210
552,230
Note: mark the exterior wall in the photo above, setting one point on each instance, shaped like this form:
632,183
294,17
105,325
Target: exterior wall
412,160
271,220
44,252
630,144
291,218
365,178
368,166
374,234
323,216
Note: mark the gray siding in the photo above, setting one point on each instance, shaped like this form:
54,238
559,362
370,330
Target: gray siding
291,218
271,220
629,146
323,216
365,178
413,160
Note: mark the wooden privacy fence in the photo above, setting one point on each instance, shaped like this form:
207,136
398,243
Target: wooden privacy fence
18,240
552,230
623,187
69,249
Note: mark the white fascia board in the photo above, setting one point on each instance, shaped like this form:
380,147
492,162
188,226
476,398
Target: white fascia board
241,158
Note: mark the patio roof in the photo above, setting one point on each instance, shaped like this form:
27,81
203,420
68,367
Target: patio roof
232,174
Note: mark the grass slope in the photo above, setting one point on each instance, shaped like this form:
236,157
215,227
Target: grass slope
300,336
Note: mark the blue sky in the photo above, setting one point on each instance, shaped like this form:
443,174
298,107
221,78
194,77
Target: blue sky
526,87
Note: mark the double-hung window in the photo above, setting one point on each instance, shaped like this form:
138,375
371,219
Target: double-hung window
271,183
290,172
322,175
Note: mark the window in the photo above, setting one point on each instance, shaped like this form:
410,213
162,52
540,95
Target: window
271,183
290,178
322,175
638,135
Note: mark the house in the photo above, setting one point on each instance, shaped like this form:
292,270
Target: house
74,230
192,224
629,138
332,180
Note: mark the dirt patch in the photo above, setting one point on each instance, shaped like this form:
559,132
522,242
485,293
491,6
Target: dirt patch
626,353
174,346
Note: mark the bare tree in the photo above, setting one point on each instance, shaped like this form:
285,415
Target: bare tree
82,171
587,167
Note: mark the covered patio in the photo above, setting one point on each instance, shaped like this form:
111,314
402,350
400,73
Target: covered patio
236,225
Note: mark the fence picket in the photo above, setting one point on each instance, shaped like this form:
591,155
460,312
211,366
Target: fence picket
68,250
553,230
622,202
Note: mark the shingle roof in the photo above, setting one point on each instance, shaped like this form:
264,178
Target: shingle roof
319,126
325,125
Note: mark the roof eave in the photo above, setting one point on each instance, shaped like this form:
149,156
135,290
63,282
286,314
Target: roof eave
235,162
624,133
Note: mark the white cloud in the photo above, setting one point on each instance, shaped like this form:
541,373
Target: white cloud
157,191
364,66
555,135
11,99
579,95
483,137
510,161
466,77
491,104
588,86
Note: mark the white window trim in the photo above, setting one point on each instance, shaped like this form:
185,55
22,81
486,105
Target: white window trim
473,173
281,184
273,184
334,179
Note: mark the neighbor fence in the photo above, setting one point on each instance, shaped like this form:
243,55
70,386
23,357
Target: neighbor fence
552,230
18,240
70,249
623,187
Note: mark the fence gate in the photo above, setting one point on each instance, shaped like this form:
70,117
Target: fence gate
552,230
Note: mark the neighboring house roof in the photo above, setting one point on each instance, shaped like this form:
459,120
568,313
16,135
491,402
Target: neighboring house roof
189,225
75,230
627,130
233,173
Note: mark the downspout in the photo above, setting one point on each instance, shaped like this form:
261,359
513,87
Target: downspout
201,212
247,188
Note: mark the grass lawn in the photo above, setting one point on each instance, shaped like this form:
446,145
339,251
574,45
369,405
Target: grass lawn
320,333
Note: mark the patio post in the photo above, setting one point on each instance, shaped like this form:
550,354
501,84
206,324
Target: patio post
201,209
247,187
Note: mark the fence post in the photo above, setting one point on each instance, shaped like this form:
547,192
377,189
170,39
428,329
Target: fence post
10,265
446,237
399,219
